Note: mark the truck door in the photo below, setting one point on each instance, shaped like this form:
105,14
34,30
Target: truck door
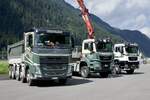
87,48
28,41
117,51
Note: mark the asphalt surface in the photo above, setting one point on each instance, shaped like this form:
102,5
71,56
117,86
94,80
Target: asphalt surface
122,87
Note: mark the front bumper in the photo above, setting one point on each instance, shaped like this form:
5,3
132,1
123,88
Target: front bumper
129,65
50,78
101,67
52,72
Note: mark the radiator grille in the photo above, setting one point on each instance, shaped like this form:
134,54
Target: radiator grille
133,58
54,69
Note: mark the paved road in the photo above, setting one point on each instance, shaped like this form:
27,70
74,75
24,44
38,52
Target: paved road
123,87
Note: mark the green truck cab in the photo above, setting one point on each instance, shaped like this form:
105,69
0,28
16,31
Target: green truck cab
96,56
43,55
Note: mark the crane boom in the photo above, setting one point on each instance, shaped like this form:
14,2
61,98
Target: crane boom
85,16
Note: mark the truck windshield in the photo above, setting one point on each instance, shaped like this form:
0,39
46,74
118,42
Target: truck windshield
132,49
104,47
52,40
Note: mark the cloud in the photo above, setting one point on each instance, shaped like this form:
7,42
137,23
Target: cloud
140,21
146,30
124,14
137,3
103,7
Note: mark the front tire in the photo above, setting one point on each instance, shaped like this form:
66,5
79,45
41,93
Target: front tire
85,71
23,74
29,79
10,71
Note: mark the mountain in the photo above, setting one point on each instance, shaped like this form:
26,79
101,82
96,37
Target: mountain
137,37
17,16
132,36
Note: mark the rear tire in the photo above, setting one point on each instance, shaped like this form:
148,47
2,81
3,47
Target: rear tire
18,73
85,72
23,75
23,80
13,73
131,71
10,71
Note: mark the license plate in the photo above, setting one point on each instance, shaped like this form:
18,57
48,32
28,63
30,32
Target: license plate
106,65
54,78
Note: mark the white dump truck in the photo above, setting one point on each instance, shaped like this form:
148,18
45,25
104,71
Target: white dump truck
126,57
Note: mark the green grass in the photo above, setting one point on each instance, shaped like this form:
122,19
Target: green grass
3,67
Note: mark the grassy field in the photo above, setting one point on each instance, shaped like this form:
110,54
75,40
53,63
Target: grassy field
3,67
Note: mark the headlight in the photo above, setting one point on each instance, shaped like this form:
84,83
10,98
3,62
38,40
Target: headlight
69,69
37,69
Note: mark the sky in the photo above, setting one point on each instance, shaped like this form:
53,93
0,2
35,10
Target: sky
123,14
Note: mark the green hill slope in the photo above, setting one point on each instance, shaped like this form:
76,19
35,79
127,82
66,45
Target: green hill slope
16,16
19,15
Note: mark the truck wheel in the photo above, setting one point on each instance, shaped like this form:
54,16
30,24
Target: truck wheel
113,72
22,75
118,70
131,71
84,71
62,81
23,79
104,74
13,74
18,73
29,80
10,71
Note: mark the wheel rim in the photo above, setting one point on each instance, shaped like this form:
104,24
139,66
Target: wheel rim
13,74
114,71
84,72
17,74
28,76
118,71
21,74
10,73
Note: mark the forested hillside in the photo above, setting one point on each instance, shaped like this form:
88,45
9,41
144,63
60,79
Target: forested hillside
16,16
19,15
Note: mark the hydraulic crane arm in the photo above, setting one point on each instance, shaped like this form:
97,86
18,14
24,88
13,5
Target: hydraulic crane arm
85,16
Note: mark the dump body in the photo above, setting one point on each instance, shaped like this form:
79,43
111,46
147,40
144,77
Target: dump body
15,52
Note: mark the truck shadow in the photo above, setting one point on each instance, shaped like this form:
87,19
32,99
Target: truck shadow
115,76
71,82
98,76
135,73
80,81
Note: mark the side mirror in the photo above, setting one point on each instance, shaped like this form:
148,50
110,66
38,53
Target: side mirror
121,51
72,42
91,48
